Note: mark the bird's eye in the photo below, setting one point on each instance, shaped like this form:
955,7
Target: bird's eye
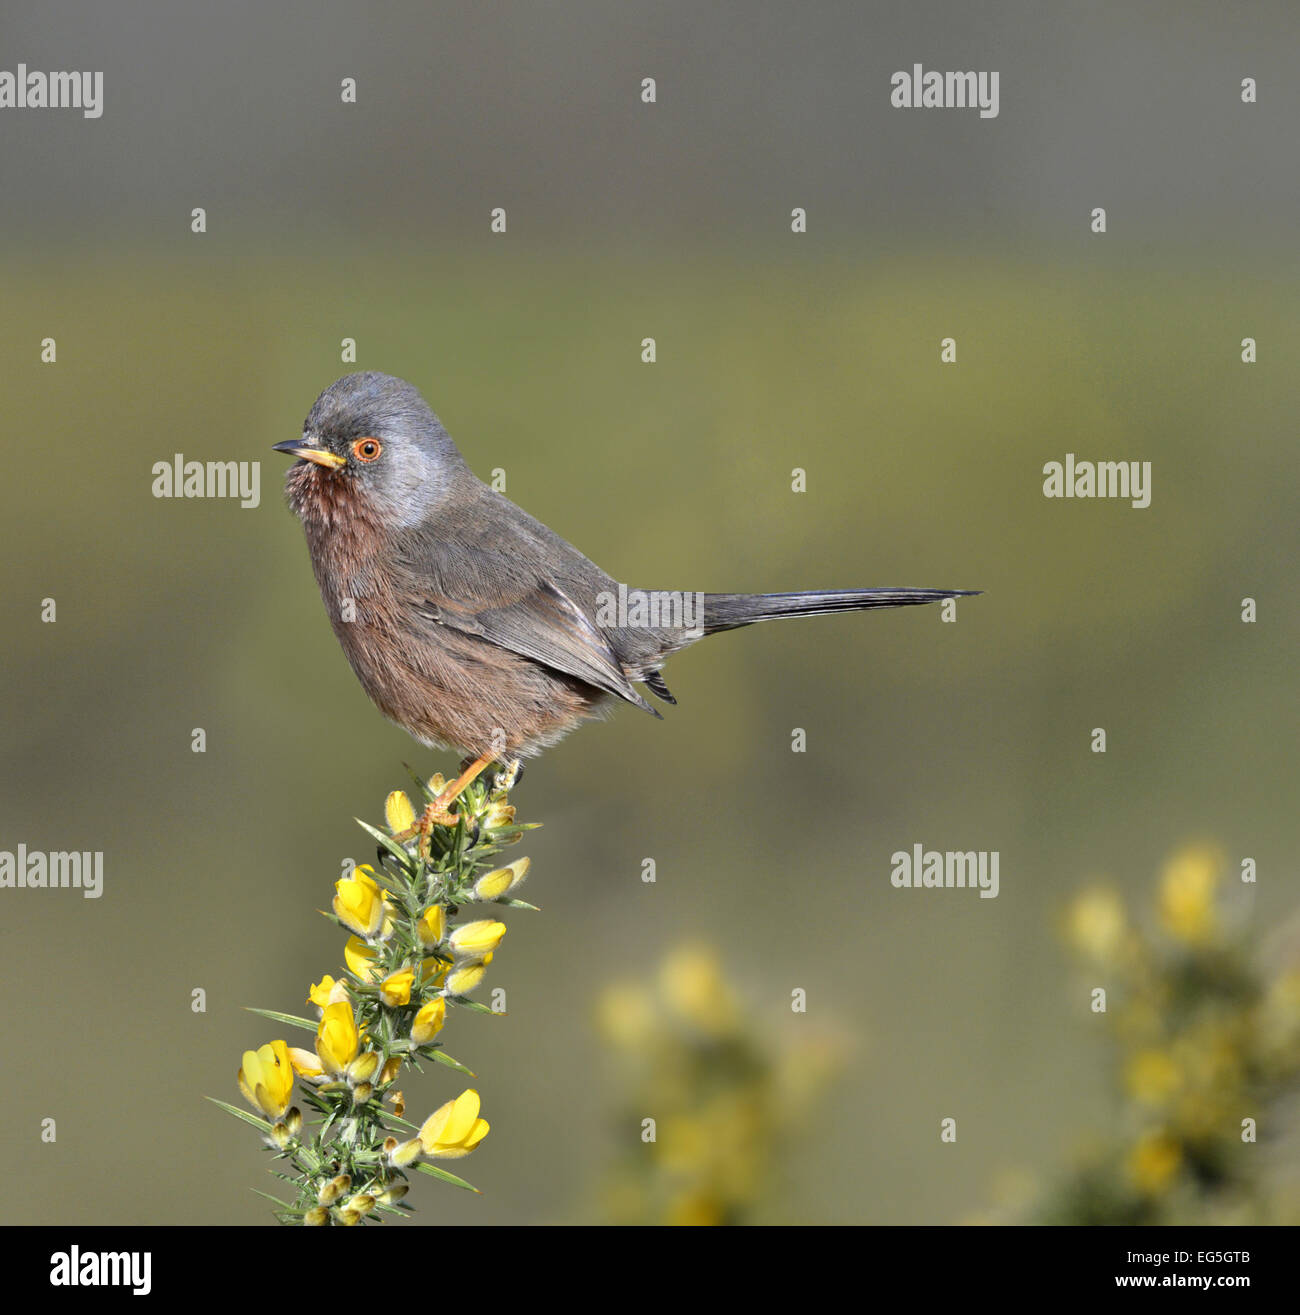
367,449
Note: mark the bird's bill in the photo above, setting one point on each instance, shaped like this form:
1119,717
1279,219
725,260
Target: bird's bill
301,448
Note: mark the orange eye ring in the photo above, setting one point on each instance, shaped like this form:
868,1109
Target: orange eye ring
367,449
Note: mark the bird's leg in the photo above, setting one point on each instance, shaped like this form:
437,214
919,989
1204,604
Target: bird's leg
436,813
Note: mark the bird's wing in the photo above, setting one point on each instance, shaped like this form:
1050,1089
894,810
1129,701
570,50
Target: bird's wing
544,624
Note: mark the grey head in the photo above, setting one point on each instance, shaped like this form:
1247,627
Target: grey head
374,438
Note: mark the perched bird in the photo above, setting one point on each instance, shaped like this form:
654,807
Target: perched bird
470,624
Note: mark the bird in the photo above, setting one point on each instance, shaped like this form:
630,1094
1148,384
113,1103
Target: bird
470,624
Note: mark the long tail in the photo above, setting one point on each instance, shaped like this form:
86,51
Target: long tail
728,611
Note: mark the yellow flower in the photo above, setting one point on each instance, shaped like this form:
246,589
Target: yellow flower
466,977
360,959
306,1064
395,989
1152,1077
475,939
328,991
428,1022
337,1039
434,970
455,1129
399,812
361,906
432,926
1187,888
1153,1162
266,1079
493,885
1095,923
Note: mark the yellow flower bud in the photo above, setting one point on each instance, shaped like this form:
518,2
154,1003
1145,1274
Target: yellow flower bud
337,1039
455,1129
391,1195
362,1093
493,885
331,1191
428,1022
363,1203
405,1153
395,989
466,978
360,904
432,926
317,1217
364,1067
347,1217
392,1067
475,939
398,812
266,1079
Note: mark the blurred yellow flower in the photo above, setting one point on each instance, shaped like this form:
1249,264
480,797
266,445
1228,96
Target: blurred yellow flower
1153,1162
360,905
1187,888
1095,923
266,1079
1152,1077
626,1015
399,813
337,1038
693,985
455,1129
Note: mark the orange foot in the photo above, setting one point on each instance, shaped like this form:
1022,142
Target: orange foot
437,813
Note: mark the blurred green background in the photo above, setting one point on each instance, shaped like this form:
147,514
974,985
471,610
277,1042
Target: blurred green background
775,351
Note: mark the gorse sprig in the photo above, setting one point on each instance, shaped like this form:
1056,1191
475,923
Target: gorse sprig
407,961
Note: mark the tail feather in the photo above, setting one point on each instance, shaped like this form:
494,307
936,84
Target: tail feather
729,611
